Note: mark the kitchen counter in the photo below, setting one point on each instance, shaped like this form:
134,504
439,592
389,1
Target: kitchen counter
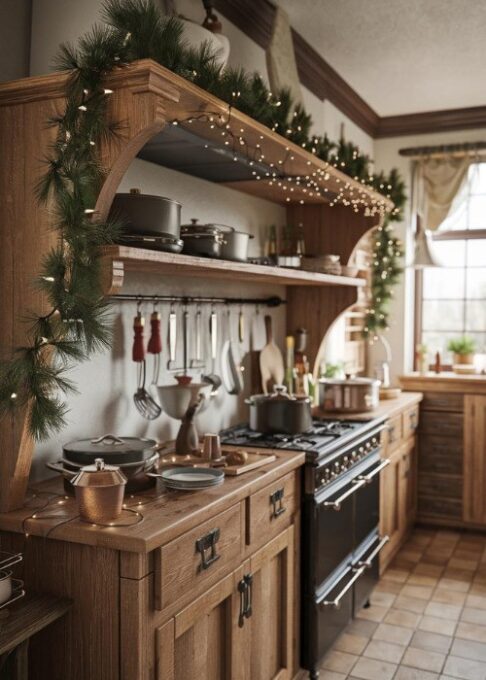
165,514
387,408
447,382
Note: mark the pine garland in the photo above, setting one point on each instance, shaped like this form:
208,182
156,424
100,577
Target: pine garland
78,322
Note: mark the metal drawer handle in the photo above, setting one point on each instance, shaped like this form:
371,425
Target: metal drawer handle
276,499
336,603
413,420
367,564
336,505
249,584
242,589
391,432
368,478
204,544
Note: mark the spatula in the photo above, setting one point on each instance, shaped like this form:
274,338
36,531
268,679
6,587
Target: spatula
271,361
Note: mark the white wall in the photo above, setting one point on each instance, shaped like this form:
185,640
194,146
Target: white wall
15,20
400,334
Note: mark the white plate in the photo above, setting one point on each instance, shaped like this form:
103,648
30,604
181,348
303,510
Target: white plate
192,478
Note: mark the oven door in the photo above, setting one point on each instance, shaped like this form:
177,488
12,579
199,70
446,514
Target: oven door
367,503
367,561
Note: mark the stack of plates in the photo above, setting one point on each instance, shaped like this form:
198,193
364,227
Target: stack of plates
191,479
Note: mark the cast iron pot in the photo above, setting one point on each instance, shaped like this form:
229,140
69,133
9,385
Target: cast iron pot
134,456
279,413
352,395
235,246
204,240
146,215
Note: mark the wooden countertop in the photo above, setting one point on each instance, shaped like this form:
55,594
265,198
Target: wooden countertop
387,408
165,514
445,382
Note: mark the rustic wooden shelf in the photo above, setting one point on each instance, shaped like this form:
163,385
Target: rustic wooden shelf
119,259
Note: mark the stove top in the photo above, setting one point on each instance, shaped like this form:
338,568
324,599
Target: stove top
323,437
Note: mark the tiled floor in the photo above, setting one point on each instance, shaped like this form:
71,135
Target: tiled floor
427,618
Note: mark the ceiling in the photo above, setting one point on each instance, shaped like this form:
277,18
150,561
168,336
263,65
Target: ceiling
401,56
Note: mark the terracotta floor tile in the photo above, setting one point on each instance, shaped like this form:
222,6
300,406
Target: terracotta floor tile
452,584
435,557
448,596
424,659
331,675
421,592
477,601
370,669
471,631
373,613
410,604
434,570
421,580
382,599
458,574
468,565
478,587
341,662
399,617
449,612
431,641
384,651
448,536
397,575
391,633
410,554
465,668
385,586
403,563
352,644
472,615
468,552
408,673
469,649
434,625
362,628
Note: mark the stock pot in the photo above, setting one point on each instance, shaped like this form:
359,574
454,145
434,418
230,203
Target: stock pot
351,395
279,413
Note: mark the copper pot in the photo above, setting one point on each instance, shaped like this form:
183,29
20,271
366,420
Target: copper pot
99,491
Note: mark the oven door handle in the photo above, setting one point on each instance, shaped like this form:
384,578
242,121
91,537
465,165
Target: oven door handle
336,505
367,564
367,478
336,603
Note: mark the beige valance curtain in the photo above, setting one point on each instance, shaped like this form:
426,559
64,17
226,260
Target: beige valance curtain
281,64
437,181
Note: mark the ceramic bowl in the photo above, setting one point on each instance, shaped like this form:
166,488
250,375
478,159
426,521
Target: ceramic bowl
176,399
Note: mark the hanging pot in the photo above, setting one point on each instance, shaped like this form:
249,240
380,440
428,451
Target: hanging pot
146,215
99,491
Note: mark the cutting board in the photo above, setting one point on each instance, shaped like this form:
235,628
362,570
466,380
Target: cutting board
271,361
255,460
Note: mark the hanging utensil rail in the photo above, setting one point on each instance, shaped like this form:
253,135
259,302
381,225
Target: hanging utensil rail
274,301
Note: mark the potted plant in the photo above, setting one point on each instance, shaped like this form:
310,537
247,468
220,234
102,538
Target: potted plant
463,350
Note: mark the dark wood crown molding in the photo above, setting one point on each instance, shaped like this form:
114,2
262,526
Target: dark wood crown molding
255,18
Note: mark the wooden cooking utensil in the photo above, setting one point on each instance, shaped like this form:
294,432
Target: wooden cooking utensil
271,361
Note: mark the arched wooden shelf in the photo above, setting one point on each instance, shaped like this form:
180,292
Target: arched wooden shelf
145,97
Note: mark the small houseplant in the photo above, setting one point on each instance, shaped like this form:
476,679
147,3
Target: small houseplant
463,350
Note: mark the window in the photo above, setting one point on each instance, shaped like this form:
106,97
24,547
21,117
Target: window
452,299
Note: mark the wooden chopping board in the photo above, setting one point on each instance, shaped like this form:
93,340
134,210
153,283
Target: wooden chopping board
271,361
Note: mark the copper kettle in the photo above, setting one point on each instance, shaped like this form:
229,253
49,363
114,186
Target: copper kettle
99,491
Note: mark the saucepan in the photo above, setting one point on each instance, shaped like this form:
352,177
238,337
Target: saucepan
352,395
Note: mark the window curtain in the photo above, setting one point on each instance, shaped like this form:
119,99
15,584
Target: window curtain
436,183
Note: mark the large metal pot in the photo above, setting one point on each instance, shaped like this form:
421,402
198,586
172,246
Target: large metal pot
279,413
146,215
352,395
204,240
235,246
134,456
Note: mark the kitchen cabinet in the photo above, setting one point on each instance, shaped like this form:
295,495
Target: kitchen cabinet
451,449
398,482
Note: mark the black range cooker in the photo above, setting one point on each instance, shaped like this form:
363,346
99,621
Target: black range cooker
340,538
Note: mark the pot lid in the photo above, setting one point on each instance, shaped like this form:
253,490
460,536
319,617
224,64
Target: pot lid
279,394
111,448
350,381
136,193
196,229
99,474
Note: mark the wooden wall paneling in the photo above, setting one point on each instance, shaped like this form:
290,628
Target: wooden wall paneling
88,636
474,501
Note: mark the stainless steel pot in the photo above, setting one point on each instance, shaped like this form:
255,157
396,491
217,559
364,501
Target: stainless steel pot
235,246
352,395
146,215
134,456
204,240
279,413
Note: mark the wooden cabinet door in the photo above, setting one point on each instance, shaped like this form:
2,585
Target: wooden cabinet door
269,635
408,485
474,504
390,506
204,640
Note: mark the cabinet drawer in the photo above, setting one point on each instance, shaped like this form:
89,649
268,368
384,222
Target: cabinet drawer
444,486
199,558
440,507
440,454
392,434
410,421
445,424
442,401
271,510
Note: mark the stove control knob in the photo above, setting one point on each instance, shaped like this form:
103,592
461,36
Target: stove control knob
346,462
354,455
369,445
374,441
327,474
361,450
337,467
